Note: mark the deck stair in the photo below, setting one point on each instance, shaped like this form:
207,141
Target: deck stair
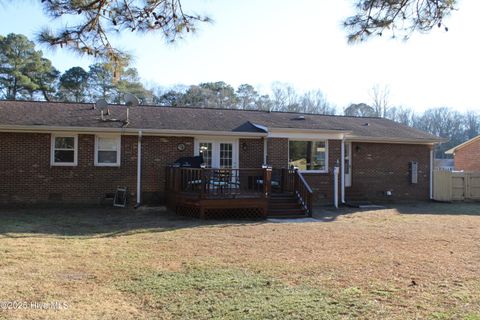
285,205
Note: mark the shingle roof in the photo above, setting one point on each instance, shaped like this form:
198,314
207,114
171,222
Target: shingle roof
43,114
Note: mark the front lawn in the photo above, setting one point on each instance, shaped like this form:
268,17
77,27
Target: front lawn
407,262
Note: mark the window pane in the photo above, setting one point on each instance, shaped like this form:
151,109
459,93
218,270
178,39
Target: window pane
307,155
66,156
107,156
64,142
226,155
107,144
298,152
318,158
206,152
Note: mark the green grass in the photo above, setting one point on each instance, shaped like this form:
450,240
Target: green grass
204,293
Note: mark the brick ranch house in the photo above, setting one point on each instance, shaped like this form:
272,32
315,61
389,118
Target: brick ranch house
467,155
66,153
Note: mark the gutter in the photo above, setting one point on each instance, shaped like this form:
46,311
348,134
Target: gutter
394,140
297,130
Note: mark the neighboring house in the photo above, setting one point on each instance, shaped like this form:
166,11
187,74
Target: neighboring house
64,152
467,155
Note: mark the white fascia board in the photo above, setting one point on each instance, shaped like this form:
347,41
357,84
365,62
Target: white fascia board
307,134
128,131
393,140
302,133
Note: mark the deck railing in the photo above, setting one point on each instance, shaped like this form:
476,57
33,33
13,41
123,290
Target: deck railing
209,183
219,183
304,193
292,181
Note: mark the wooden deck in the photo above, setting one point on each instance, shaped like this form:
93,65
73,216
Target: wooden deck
233,193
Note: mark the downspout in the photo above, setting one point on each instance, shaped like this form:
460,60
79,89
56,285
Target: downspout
139,170
265,150
431,174
335,186
342,171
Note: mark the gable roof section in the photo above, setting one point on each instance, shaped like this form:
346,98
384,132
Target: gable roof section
41,115
460,146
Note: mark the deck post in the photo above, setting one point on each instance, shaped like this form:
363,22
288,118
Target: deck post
295,181
267,178
203,183
267,186
177,179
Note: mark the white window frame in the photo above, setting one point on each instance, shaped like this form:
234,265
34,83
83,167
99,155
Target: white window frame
75,150
119,150
311,140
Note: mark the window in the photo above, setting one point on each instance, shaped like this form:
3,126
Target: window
64,150
206,152
308,155
226,155
107,151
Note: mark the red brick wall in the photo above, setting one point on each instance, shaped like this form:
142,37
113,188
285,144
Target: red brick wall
252,156
157,152
26,174
468,157
277,152
378,167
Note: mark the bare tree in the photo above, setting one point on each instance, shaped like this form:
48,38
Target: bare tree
284,97
443,122
380,95
472,124
314,101
401,115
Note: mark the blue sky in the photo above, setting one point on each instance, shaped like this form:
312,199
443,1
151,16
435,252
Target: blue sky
300,42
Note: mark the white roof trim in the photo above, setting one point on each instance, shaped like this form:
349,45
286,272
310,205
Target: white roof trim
298,133
128,131
339,134
268,132
353,138
306,135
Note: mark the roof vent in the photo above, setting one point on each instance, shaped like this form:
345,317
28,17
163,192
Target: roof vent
366,124
300,117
